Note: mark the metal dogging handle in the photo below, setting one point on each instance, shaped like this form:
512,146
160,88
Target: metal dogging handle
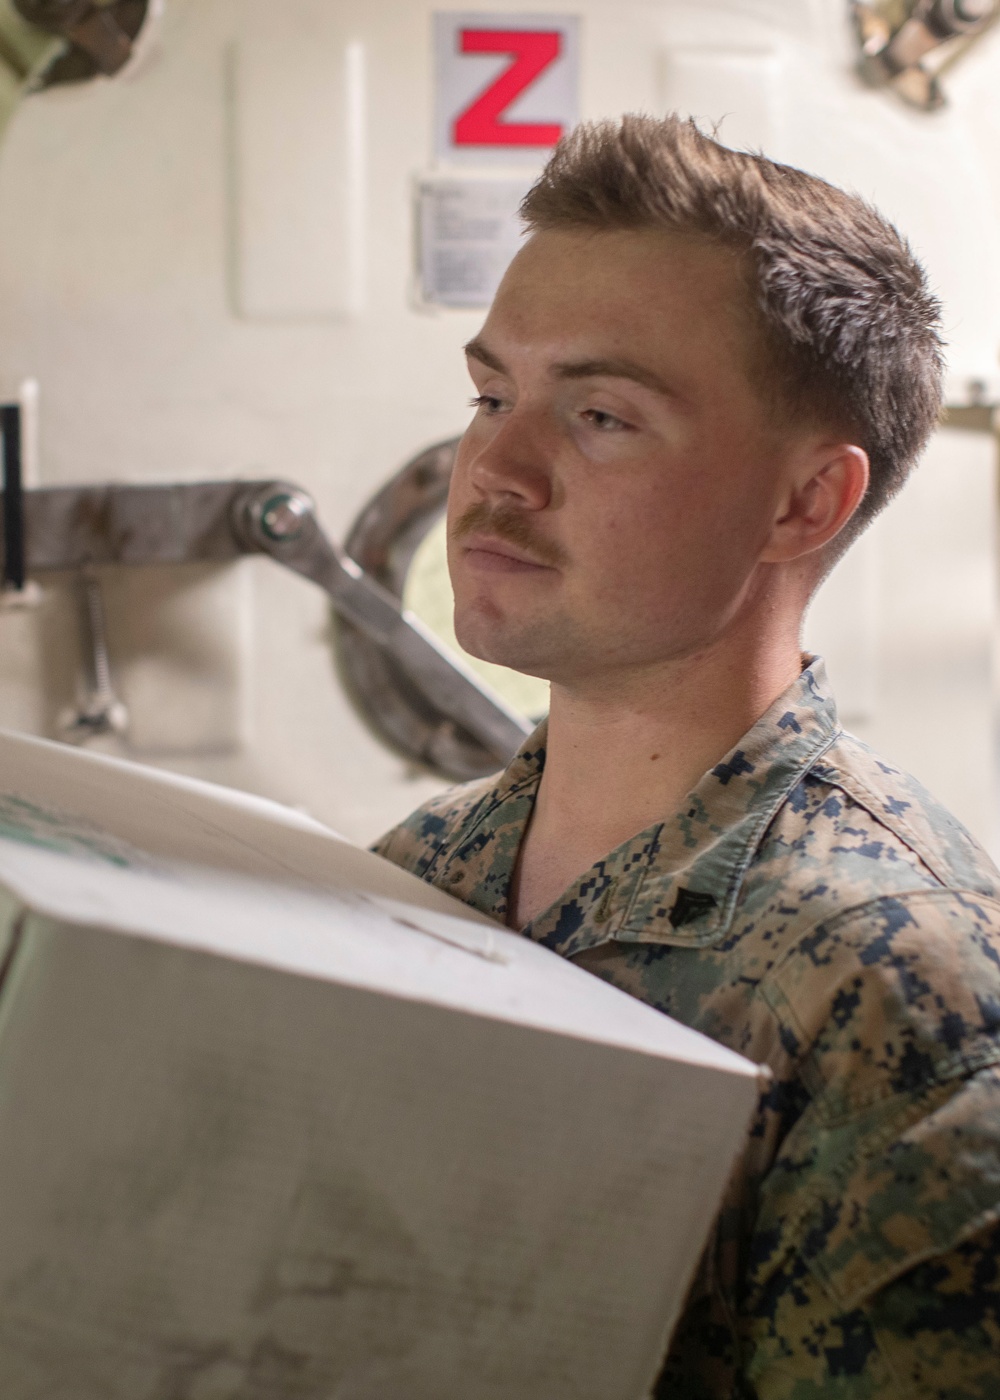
280,519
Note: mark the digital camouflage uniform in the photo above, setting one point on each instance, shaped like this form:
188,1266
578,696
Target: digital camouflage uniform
816,910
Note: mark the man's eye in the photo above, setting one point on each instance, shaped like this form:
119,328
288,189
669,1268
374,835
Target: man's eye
607,422
487,402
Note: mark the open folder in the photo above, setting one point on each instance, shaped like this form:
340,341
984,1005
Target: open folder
278,1119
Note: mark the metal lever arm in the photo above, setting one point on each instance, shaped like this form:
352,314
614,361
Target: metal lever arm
280,520
83,527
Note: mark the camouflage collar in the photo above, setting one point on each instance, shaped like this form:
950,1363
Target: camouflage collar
676,882
689,890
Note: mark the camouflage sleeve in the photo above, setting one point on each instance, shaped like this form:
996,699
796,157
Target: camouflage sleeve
383,846
939,1325
871,1267
414,842
815,1331
856,1255
932,1334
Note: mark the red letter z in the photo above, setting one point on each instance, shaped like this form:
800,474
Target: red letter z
533,50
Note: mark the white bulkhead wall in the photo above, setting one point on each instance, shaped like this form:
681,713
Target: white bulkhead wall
208,263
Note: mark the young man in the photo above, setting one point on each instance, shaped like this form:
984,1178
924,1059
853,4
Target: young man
701,377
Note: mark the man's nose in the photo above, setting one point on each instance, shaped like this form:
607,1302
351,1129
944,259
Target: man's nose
515,460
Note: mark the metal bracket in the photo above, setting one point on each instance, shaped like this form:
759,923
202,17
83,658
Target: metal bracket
100,711
906,44
85,527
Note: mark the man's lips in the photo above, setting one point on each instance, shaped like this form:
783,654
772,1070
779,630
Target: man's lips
492,554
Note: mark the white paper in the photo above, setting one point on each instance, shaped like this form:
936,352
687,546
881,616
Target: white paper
469,232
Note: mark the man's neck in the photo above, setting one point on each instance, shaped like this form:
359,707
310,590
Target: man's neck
623,755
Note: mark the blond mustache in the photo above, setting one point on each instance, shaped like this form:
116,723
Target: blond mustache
511,526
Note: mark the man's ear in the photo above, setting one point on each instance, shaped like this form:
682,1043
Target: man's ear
818,502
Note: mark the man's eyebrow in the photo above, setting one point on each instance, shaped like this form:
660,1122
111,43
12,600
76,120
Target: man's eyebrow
614,369
478,351
581,369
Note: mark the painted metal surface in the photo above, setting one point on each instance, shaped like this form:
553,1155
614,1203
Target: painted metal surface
174,313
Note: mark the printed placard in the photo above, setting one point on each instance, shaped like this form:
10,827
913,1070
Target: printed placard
469,231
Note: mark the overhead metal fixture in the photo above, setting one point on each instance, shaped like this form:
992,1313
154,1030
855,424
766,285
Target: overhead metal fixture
99,38
906,44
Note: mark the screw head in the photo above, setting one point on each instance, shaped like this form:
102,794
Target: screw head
974,11
949,17
283,516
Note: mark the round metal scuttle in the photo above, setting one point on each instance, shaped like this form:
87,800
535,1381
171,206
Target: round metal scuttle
383,540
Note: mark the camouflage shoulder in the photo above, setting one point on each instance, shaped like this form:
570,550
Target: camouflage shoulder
899,804
416,842
853,831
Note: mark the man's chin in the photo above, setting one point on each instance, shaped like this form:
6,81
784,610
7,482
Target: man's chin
507,647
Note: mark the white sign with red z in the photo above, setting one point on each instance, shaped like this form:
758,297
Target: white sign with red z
506,85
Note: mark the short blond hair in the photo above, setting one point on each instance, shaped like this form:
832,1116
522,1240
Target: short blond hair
847,329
